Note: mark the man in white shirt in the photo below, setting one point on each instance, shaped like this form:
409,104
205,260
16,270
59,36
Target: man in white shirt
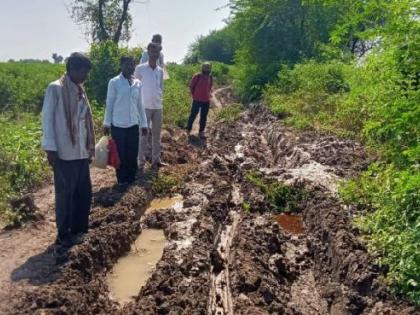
151,76
123,115
157,38
69,141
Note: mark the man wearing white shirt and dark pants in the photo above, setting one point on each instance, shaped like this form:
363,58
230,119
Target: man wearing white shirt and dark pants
151,76
123,116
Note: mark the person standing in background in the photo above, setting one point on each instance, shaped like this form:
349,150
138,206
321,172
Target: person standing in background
157,39
151,76
200,87
124,115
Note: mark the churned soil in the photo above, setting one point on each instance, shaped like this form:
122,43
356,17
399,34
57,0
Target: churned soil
225,251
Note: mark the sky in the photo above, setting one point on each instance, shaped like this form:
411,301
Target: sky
37,28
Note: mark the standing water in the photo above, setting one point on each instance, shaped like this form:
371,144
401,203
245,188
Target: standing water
131,272
290,223
165,203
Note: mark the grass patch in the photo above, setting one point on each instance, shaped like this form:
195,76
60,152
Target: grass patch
246,206
164,184
281,197
230,113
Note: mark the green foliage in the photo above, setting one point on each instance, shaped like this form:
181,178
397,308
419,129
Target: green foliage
218,46
394,228
22,165
230,113
22,85
283,198
315,95
164,184
105,57
246,206
272,33
221,74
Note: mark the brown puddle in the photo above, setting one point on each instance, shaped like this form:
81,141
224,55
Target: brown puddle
290,223
132,271
164,203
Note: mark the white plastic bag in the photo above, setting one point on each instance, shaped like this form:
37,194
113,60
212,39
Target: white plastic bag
101,153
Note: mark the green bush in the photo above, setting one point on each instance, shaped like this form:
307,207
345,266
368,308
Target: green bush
221,74
22,165
314,95
394,228
218,45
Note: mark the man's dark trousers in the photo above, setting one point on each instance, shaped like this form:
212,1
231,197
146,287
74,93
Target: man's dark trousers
73,195
127,140
203,108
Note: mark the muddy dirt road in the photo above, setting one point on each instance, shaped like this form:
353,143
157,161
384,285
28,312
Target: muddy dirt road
227,251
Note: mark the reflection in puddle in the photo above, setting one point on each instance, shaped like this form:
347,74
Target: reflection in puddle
131,272
165,203
290,223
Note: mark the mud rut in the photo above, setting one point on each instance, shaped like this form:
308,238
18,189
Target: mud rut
219,258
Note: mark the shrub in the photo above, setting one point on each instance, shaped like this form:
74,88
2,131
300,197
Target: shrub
313,95
22,165
393,227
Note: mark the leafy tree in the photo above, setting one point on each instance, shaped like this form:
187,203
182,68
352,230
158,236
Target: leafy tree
104,19
275,32
218,45
57,58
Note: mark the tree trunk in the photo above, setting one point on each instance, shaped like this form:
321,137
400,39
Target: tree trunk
102,34
124,15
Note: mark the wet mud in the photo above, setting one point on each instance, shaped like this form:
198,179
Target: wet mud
227,249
